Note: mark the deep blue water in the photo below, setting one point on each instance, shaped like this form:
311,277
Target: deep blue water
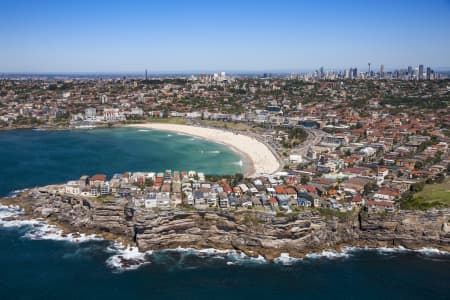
45,269
49,269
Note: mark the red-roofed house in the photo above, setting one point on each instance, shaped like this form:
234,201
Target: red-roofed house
377,206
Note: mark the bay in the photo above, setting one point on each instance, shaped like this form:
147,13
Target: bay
34,267
33,158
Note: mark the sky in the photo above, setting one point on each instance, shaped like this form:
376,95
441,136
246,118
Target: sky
228,35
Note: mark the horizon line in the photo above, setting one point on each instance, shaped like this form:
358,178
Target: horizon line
200,71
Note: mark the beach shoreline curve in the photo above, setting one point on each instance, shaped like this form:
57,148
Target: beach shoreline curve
257,157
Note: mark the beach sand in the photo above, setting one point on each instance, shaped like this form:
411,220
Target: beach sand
257,157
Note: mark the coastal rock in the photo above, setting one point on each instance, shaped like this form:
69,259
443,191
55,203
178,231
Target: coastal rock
254,233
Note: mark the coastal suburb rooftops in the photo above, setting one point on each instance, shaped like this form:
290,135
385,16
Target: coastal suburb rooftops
98,177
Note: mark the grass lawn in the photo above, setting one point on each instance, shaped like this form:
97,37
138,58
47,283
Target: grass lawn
180,121
167,120
229,125
432,195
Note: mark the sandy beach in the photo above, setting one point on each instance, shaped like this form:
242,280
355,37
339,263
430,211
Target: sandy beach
258,158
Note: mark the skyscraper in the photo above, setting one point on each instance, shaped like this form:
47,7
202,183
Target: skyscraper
355,73
410,72
428,73
346,74
382,71
420,72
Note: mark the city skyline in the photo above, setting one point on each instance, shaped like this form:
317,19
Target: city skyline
242,37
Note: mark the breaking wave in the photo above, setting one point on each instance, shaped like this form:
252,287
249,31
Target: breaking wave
238,163
126,258
286,260
214,152
12,216
44,231
231,256
426,251
14,193
328,254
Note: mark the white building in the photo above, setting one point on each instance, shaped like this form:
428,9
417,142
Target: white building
295,158
72,187
112,114
90,114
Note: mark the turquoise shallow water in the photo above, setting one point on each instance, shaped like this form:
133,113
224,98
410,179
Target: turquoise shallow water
29,158
32,268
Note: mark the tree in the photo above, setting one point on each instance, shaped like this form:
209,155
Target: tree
370,187
304,180
417,187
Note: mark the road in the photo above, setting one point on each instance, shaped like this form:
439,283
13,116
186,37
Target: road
314,138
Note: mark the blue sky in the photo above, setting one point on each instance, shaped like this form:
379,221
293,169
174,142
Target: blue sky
129,36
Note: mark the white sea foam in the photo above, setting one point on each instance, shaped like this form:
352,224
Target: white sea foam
388,250
144,130
399,249
232,256
10,217
169,135
238,163
432,251
44,231
214,152
126,258
328,254
207,252
242,258
14,193
286,260
9,211
38,229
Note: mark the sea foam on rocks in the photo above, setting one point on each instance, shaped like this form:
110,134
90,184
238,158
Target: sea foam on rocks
398,249
126,258
328,254
286,260
12,216
44,231
231,256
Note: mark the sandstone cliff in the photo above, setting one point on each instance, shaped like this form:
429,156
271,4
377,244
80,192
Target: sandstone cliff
252,232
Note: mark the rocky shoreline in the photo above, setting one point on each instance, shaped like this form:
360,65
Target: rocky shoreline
254,233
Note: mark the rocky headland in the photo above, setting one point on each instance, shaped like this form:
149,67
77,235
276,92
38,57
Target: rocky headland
249,231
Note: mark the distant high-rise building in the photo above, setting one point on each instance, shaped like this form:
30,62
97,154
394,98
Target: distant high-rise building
355,73
382,71
346,74
146,74
321,72
420,72
429,73
410,71
369,67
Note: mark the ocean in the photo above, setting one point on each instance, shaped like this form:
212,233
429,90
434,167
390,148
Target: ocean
36,262
33,158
